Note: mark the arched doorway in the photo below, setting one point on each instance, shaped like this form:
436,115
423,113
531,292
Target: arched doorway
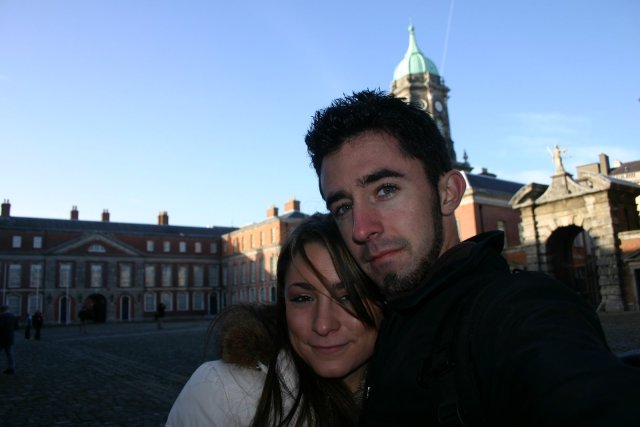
572,260
97,307
125,308
213,304
63,309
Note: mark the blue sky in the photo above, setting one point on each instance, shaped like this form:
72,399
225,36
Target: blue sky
200,107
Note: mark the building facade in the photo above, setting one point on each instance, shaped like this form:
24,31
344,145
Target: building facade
121,271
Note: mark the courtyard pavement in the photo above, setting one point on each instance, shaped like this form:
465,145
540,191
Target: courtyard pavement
129,374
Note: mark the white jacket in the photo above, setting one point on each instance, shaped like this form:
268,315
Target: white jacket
221,394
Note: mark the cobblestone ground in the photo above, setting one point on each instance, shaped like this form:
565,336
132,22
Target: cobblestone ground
130,374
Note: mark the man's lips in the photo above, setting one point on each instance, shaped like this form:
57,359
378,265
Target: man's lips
381,256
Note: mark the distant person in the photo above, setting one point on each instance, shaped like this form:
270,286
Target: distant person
38,322
160,314
8,325
27,326
84,316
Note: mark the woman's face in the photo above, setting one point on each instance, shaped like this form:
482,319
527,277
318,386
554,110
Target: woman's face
321,330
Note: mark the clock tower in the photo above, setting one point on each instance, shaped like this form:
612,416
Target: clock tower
416,79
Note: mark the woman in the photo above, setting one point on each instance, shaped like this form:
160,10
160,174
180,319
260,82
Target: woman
307,355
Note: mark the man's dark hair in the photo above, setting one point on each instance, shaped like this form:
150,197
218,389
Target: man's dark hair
373,110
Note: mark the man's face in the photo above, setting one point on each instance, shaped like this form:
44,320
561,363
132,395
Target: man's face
386,210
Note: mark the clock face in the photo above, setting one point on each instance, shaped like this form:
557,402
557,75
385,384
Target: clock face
438,106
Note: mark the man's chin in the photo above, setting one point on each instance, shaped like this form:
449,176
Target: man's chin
395,285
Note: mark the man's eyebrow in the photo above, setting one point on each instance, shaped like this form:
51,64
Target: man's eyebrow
378,175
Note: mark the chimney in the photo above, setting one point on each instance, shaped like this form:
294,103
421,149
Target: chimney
292,205
6,208
163,218
74,213
272,211
105,215
604,164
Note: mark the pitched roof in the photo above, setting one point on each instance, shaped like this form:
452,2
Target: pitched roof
26,223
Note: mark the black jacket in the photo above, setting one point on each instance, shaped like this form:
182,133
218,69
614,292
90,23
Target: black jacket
538,355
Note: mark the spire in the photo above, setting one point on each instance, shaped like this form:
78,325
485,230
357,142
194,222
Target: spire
414,61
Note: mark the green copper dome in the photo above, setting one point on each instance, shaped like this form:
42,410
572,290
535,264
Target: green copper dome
414,62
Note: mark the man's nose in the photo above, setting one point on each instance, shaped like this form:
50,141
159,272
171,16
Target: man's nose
326,317
366,223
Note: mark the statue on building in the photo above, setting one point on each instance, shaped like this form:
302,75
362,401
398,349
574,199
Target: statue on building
556,154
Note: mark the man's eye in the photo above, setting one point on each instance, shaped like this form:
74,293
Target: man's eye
387,190
341,210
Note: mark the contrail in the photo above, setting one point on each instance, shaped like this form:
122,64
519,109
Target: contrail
446,39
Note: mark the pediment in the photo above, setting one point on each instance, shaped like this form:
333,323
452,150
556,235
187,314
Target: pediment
94,244
563,186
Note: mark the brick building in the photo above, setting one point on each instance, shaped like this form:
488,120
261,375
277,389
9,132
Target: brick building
121,271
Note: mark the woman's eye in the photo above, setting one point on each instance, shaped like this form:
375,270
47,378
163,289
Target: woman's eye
344,299
299,299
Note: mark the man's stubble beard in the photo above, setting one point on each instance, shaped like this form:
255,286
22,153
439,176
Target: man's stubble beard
394,284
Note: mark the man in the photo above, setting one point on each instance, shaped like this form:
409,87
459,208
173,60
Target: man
464,341
8,325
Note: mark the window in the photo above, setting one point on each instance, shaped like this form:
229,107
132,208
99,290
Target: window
149,302
34,303
167,300
198,247
182,246
36,275
213,248
234,275
198,276
97,248
502,226
16,242
252,295
149,275
243,273
166,246
96,275
182,276
13,301
273,294
125,275
273,267
262,295
37,242
182,301
224,275
198,301
261,268
213,275
64,275
166,276
15,275
150,246
252,271
235,245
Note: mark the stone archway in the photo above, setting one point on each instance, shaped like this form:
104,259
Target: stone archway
572,260
97,307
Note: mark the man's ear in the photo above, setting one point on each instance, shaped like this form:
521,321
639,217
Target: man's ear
451,186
